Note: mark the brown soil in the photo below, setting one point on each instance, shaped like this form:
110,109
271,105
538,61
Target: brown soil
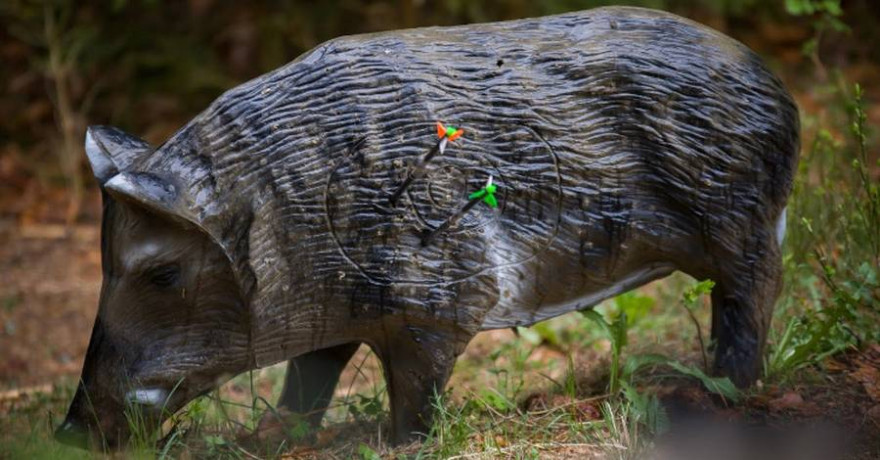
830,413
51,277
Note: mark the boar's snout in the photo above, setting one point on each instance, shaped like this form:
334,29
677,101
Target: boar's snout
87,426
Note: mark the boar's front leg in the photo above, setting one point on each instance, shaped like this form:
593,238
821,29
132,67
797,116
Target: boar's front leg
311,380
417,364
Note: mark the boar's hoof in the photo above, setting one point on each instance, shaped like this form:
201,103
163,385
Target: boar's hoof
742,370
72,434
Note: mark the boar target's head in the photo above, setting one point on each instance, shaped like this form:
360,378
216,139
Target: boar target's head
172,321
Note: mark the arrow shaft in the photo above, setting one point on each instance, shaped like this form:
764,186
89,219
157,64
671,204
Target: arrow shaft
418,171
451,221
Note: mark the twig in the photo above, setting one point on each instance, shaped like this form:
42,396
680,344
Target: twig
20,393
699,337
248,454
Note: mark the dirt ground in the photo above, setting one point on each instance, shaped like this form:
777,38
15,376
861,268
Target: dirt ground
51,277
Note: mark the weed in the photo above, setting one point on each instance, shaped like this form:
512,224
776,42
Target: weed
10,302
450,432
828,17
691,301
625,441
644,408
365,407
837,287
615,332
367,453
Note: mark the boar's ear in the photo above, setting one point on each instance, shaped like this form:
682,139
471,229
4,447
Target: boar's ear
111,151
148,190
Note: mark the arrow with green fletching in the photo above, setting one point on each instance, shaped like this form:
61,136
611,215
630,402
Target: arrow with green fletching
487,193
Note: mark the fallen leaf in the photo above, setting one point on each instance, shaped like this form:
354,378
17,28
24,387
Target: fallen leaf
729,415
324,437
585,410
833,365
559,401
869,376
788,401
759,401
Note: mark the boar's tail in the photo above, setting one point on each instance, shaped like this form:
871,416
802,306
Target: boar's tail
791,153
780,226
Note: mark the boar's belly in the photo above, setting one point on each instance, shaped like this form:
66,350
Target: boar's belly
520,309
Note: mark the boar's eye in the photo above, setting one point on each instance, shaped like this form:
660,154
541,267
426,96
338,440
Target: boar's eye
164,275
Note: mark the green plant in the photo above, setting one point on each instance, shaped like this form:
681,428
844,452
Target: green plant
827,15
615,332
645,408
836,287
540,333
367,453
450,430
366,407
634,305
509,379
691,302
570,383
722,386
631,307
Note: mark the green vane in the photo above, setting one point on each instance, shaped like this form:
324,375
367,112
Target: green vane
487,193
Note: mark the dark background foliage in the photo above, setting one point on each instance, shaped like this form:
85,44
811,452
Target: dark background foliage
148,66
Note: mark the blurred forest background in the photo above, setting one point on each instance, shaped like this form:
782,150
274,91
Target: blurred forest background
148,66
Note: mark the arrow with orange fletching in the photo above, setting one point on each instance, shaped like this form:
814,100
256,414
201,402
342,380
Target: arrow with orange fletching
446,134
449,132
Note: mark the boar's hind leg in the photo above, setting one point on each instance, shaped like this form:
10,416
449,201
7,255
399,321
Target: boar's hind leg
417,365
746,289
311,379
